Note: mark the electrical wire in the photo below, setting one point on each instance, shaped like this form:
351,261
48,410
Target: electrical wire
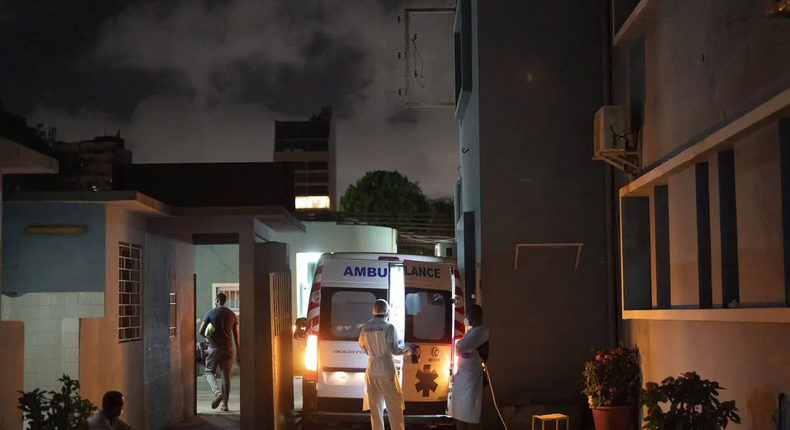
493,396
418,76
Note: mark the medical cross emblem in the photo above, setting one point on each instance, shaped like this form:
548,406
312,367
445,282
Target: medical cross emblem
426,380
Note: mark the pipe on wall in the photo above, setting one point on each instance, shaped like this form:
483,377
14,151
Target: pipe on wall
612,295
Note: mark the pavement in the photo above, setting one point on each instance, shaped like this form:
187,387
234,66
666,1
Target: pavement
214,419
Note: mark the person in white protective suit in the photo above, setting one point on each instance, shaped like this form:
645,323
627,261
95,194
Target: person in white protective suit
379,340
467,400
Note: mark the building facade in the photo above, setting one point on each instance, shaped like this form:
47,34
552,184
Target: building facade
88,277
102,155
531,231
15,159
687,258
310,146
705,286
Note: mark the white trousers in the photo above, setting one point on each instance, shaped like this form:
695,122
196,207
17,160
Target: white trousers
385,391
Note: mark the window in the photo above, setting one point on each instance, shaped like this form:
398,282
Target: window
427,315
312,202
130,268
173,315
231,291
347,311
314,190
350,310
317,165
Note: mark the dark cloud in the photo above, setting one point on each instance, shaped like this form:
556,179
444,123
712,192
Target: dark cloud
42,42
333,75
203,80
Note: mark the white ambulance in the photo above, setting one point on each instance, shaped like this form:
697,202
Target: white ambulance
427,310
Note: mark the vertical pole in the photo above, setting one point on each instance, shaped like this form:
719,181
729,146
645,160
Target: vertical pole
407,54
194,375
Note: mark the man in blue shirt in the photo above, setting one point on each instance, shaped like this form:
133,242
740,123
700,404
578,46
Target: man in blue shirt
220,351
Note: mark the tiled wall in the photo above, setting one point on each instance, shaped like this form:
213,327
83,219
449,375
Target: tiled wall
52,322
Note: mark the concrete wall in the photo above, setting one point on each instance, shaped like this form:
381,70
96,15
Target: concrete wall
169,360
705,63
51,327
43,263
12,356
539,88
118,366
156,373
469,140
53,281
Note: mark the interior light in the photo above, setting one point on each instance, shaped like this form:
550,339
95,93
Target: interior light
312,202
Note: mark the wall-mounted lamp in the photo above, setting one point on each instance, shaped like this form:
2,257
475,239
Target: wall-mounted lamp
56,230
778,8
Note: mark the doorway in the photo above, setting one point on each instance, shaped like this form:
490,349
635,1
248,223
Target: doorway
217,267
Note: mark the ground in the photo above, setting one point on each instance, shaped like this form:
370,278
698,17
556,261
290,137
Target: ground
214,419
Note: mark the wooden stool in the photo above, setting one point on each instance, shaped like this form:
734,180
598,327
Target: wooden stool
548,418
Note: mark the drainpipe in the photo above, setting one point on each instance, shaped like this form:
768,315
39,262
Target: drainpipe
609,182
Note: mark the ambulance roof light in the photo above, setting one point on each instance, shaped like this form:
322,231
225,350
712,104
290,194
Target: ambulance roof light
384,258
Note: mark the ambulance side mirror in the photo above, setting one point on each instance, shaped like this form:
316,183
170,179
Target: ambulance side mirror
300,329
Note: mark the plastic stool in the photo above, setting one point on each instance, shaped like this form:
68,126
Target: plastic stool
549,418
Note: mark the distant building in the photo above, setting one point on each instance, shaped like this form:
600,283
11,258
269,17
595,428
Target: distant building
310,145
101,154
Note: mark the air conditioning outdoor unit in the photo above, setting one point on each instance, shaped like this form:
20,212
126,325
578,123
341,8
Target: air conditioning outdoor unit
446,249
609,124
611,139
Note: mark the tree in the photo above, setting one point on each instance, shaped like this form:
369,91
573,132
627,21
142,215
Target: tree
385,192
443,206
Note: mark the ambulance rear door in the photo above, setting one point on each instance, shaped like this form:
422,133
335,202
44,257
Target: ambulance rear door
428,303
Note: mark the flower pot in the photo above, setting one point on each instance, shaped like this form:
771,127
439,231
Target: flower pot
613,417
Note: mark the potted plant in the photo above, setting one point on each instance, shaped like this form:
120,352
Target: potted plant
52,410
611,384
693,404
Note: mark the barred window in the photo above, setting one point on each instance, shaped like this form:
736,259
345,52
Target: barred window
130,265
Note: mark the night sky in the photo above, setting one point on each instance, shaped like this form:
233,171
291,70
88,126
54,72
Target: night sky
203,80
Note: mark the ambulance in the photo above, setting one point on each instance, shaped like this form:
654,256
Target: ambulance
426,307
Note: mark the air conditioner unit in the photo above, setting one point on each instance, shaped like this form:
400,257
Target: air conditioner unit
609,125
613,143
446,249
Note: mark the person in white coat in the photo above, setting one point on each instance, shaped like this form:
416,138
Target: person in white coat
379,340
467,400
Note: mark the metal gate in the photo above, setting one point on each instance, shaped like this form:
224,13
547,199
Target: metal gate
282,349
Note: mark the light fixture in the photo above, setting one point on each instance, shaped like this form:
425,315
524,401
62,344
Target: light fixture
56,230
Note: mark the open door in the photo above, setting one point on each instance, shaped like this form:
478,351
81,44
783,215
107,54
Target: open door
428,303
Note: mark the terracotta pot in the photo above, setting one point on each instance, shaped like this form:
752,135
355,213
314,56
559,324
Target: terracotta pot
613,417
